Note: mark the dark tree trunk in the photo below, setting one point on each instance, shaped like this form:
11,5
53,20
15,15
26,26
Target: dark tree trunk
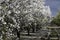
28,29
28,32
33,29
21,29
58,37
18,33
48,37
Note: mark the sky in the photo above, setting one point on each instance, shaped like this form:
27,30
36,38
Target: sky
54,5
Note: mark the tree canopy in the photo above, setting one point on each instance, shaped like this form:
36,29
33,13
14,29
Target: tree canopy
56,20
17,14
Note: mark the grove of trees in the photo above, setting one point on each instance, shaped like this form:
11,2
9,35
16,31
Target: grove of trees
19,15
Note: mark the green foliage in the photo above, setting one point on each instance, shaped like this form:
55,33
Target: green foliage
56,20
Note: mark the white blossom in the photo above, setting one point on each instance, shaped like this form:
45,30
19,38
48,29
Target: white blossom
9,12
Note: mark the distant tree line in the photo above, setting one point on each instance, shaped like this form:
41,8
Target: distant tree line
56,20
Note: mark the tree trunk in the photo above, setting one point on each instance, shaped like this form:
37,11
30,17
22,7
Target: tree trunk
33,29
48,37
28,29
18,35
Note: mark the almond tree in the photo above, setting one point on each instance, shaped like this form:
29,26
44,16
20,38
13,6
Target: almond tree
17,14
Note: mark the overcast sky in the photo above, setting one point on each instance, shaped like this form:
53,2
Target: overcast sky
54,5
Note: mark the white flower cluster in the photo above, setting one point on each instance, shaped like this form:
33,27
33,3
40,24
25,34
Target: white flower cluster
19,14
